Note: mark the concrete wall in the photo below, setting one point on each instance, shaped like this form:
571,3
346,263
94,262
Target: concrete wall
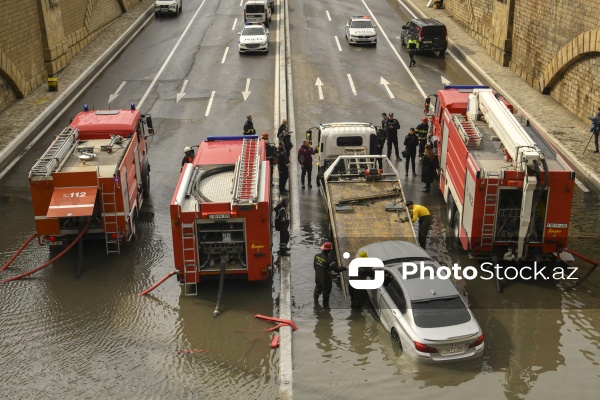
38,38
554,45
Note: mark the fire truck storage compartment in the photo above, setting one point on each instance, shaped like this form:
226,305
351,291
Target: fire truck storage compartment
509,210
216,237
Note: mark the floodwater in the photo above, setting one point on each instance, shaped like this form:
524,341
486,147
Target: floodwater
93,337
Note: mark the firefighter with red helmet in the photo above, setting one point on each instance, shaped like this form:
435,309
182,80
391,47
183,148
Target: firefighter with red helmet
324,265
422,131
188,157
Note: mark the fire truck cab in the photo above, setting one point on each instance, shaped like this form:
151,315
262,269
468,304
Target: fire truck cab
95,170
221,213
508,191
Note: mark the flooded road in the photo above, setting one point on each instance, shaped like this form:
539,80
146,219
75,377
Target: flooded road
538,336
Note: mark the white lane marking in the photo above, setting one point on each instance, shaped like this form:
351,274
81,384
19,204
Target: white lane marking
412,77
319,84
187,28
328,16
241,2
116,94
212,96
234,22
385,84
338,43
351,84
445,82
182,93
224,55
247,92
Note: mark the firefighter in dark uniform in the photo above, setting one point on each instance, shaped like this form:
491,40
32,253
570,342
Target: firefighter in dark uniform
422,130
325,265
249,126
188,157
282,224
272,152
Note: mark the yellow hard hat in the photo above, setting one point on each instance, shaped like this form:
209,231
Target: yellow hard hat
363,254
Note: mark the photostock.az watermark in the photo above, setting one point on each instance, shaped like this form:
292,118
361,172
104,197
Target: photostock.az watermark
422,270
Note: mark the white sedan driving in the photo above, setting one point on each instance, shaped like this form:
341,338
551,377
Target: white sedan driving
254,38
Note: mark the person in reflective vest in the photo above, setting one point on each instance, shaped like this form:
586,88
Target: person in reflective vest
420,213
412,45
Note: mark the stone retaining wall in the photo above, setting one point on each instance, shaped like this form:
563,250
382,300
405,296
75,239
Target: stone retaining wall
38,38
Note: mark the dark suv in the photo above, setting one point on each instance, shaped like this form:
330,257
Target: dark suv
431,34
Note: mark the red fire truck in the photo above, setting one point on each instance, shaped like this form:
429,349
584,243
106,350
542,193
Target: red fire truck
508,191
221,213
95,170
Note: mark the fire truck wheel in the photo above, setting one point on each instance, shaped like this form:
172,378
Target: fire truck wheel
451,210
146,180
457,227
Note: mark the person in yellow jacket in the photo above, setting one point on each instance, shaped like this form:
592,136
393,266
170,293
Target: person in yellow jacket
412,45
420,213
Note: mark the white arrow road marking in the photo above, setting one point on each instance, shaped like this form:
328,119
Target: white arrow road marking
187,28
328,16
351,84
385,84
445,81
246,93
319,84
182,93
338,43
224,55
116,94
212,96
234,22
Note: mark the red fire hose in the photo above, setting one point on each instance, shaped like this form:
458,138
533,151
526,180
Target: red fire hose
584,258
157,284
18,252
62,253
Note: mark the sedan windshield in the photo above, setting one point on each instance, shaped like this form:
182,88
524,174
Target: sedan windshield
438,313
253,31
361,24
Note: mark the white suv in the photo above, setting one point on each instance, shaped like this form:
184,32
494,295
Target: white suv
168,7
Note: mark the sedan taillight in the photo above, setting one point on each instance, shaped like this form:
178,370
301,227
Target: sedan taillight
423,348
477,342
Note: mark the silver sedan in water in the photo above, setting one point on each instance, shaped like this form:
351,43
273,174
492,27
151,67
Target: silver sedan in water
424,313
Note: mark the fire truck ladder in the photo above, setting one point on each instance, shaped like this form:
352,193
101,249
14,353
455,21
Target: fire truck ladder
471,135
492,179
111,222
58,152
190,264
247,172
355,165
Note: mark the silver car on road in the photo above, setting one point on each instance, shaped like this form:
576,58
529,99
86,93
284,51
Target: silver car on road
427,317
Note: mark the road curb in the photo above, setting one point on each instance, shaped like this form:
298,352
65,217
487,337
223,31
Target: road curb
34,131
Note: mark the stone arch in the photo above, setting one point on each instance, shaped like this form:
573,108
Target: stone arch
584,44
13,76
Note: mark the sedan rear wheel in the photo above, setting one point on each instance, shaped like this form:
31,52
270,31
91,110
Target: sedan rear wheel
396,338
